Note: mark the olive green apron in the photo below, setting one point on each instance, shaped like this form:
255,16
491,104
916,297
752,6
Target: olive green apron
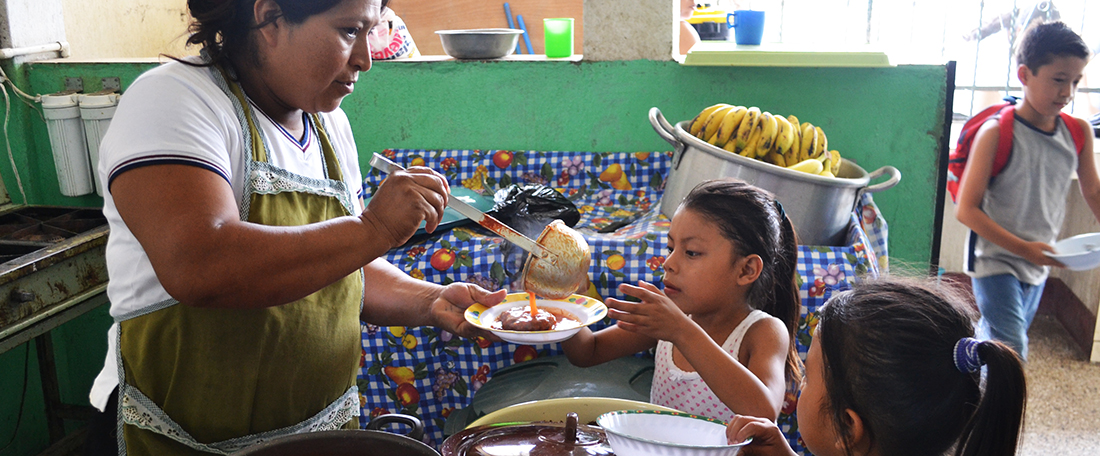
201,380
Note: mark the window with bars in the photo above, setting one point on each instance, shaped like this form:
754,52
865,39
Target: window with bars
979,35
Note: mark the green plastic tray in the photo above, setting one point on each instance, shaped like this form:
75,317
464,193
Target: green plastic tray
726,53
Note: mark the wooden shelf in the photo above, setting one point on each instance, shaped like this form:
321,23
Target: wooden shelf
424,18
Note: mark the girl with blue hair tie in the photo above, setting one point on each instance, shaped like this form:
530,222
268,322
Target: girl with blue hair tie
894,369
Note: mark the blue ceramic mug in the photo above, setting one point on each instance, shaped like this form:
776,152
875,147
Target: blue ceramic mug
748,26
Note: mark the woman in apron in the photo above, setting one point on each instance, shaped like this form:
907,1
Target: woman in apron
240,256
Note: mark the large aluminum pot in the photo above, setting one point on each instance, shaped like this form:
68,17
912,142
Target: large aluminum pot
819,207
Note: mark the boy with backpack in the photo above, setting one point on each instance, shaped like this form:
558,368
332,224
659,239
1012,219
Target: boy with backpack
1018,170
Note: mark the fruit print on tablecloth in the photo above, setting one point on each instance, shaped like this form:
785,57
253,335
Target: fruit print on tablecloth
447,370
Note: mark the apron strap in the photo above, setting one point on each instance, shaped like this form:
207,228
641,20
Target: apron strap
259,152
254,140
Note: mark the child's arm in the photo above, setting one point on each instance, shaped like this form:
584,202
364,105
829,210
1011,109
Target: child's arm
1086,172
766,437
588,348
755,390
975,182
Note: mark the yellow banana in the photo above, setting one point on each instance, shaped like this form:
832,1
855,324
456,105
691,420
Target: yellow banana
796,144
769,128
822,142
701,119
826,164
784,137
731,145
775,158
729,125
835,155
826,173
713,122
807,166
754,139
809,138
748,125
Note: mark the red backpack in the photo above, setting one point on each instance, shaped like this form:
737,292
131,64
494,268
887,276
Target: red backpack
1006,112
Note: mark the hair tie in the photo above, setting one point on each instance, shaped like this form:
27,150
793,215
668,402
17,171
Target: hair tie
779,209
967,359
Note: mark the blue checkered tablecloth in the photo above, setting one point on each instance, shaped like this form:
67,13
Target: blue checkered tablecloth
429,373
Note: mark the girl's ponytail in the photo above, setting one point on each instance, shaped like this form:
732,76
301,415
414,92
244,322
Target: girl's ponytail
787,304
995,426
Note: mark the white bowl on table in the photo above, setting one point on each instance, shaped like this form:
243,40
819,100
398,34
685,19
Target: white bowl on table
641,433
1078,253
586,309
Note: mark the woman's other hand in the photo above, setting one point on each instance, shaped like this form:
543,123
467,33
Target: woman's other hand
767,440
448,309
405,199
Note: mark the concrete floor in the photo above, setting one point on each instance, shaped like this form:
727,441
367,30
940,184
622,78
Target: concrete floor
1063,409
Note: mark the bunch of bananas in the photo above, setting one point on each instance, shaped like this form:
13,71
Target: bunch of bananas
767,137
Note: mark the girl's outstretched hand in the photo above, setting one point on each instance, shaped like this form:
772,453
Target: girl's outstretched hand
656,316
767,440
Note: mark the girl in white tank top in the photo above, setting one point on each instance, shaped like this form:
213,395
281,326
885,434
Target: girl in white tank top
723,323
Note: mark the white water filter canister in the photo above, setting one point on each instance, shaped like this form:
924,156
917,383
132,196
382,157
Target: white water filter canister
70,150
97,110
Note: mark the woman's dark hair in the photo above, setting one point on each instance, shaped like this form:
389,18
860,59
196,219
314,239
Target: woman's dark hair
1043,42
751,218
887,347
222,27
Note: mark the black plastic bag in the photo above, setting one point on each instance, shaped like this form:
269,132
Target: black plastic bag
528,209
533,203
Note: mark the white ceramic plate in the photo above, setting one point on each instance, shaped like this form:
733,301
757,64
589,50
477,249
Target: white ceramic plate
587,311
641,432
1078,253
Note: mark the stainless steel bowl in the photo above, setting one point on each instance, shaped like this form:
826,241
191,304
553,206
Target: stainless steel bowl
819,207
491,43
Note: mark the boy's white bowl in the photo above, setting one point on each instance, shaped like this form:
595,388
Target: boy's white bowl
643,432
1078,253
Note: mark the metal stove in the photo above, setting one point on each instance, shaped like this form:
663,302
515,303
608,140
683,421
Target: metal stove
52,269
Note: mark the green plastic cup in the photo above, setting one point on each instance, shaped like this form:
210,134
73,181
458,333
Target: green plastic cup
558,37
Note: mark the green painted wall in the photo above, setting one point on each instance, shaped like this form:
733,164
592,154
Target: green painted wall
877,117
